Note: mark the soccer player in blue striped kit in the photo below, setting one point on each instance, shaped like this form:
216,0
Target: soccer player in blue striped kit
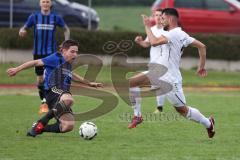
44,23
58,76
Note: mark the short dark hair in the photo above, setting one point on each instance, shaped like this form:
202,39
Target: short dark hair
171,12
68,43
159,10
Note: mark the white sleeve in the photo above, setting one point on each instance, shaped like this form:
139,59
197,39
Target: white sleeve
188,40
182,36
169,35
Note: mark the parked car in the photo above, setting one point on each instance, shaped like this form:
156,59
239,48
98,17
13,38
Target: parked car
74,14
205,16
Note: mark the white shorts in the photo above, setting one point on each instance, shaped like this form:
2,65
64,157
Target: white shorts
175,96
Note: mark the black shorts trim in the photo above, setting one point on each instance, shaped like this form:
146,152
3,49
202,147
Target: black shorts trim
53,96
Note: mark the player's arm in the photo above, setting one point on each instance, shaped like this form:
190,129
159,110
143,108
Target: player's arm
154,41
26,65
28,24
139,40
202,55
60,22
81,80
66,32
22,32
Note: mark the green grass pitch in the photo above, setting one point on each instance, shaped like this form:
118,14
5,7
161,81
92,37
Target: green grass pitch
170,137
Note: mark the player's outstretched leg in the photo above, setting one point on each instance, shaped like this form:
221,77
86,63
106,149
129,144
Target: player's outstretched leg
135,97
64,124
195,115
62,112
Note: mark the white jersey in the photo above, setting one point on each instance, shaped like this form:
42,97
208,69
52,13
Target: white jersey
155,52
172,52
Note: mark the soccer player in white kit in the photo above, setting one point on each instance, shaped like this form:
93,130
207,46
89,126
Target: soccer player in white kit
175,41
155,51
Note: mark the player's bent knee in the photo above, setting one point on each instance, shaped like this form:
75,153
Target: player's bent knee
62,109
138,80
67,99
67,122
67,126
68,102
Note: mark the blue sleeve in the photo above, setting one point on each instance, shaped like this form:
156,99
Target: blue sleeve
49,61
60,21
30,21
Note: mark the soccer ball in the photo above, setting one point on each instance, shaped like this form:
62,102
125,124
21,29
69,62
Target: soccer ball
88,130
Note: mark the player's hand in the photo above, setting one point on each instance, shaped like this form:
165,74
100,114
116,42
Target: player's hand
202,72
22,33
138,39
95,84
146,20
12,72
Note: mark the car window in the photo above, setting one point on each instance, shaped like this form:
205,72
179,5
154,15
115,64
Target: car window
217,5
189,4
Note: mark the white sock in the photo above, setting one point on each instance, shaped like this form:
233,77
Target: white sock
44,100
160,100
195,115
135,98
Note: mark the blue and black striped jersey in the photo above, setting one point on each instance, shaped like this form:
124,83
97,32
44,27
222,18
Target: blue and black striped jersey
44,32
58,72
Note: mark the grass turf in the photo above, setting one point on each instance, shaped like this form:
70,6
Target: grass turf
114,18
168,138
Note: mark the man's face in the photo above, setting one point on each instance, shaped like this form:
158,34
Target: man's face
158,17
70,54
45,5
165,21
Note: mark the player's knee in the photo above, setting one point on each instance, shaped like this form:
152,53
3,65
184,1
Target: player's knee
67,126
67,122
68,102
132,83
67,99
183,110
62,109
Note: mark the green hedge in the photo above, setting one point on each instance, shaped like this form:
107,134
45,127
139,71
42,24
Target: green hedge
225,47
117,2
218,46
